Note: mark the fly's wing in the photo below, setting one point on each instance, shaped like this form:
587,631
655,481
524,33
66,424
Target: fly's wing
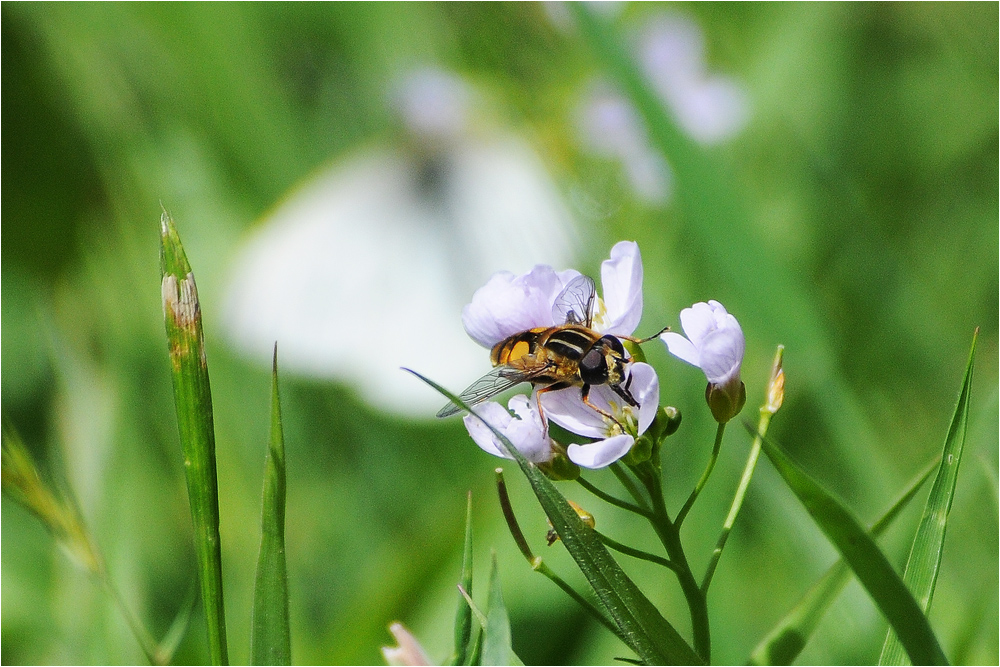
575,304
497,381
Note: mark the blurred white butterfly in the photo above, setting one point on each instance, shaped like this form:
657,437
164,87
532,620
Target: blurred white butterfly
366,267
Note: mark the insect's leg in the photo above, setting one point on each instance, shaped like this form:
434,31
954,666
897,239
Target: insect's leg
585,395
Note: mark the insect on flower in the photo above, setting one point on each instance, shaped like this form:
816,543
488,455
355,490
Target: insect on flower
572,354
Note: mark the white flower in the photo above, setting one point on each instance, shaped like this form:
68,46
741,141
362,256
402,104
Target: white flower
565,407
610,126
715,344
709,107
524,429
509,304
409,651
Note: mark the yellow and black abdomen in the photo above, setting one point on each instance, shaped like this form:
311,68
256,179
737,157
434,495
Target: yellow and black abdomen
547,354
518,347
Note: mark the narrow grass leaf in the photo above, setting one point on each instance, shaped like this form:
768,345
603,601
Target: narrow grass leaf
193,403
924,562
648,633
165,650
270,636
784,643
497,649
463,617
864,557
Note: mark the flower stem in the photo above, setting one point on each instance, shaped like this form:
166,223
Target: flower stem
607,497
775,396
704,476
669,534
635,553
734,510
538,565
630,486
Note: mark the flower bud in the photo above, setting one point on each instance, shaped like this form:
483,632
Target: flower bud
726,401
776,385
560,468
673,417
641,451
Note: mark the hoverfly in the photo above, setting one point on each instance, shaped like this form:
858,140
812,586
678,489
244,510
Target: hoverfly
551,358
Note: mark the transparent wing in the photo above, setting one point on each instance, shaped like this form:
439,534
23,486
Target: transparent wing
575,304
497,381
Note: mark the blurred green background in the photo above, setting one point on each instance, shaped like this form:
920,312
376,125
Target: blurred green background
866,177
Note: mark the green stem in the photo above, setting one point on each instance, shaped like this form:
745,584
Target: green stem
704,476
630,486
635,553
607,497
669,534
734,510
539,565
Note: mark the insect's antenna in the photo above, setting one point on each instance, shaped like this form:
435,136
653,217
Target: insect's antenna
647,339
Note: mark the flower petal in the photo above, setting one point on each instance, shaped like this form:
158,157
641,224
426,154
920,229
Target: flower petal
600,454
697,321
509,304
645,388
621,280
498,417
681,347
566,408
526,431
722,353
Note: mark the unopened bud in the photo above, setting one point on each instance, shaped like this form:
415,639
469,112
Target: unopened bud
673,417
776,385
559,468
641,450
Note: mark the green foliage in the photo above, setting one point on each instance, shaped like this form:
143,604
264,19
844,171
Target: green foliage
193,400
270,638
924,562
854,220
865,558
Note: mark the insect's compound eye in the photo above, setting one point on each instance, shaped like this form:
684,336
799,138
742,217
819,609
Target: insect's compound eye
613,343
594,366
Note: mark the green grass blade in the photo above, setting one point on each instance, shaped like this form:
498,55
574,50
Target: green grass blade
924,562
497,649
463,617
193,402
649,634
784,643
270,636
864,557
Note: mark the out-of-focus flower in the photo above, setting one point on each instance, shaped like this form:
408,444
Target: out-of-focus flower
524,429
510,304
715,344
396,235
709,107
433,104
566,408
609,125
409,651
